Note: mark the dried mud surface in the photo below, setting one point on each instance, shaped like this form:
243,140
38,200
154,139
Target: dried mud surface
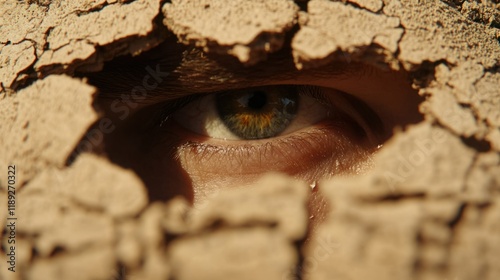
429,209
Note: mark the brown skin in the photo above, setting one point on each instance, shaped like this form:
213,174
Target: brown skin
198,166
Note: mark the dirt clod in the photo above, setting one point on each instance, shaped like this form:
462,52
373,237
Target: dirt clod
247,30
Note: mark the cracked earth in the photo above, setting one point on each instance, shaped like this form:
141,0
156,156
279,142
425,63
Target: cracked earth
429,208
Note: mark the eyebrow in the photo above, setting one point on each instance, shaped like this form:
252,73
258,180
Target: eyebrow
191,71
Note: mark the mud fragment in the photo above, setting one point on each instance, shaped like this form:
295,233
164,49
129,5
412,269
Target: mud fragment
434,32
455,117
483,180
20,21
52,246
142,247
14,59
281,201
90,227
247,30
364,242
87,183
97,263
106,27
484,12
70,34
474,96
247,253
44,122
477,242
351,34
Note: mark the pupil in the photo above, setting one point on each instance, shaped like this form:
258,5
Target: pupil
258,100
257,113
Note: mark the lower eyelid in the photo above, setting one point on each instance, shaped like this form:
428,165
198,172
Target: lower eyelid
326,144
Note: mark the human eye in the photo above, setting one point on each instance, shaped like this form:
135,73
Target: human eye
310,132
262,113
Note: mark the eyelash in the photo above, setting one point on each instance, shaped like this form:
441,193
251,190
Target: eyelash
311,142
293,141
169,108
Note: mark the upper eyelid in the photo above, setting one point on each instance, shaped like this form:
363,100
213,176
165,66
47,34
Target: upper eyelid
195,96
184,100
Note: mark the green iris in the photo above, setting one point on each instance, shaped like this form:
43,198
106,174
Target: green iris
260,112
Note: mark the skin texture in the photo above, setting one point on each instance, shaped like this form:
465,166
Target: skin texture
113,182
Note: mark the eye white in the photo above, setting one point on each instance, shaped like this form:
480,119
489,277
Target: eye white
201,117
